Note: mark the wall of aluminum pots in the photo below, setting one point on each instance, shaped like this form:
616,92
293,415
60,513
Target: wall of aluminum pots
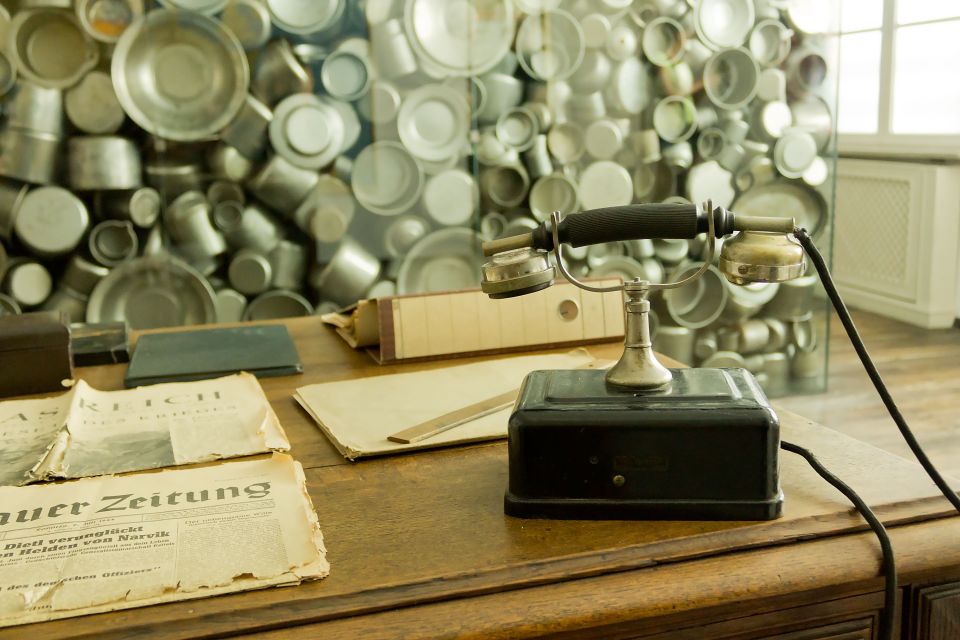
194,161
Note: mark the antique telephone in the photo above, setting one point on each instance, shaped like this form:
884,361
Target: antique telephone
641,440
644,441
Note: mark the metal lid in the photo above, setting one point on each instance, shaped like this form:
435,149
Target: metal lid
605,184
249,20
774,118
675,118
603,138
180,75
518,127
664,41
231,305
817,173
710,181
112,242
152,292
144,207
250,272
433,122
566,142
555,192
794,152
622,42
459,37
381,104
596,28
106,20
445,260
550,45
92,105
305,16
451,197
629,89
403,234
278,304
770,42
345,75
386,179
306,131
730,78
51,221
28,283
723,23
50,48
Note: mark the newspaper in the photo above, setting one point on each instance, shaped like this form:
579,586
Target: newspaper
107,543
87,432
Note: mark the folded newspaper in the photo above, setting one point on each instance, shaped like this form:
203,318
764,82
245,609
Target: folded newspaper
107,543
87,432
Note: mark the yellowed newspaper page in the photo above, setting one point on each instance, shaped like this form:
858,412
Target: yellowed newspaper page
106,543
88,432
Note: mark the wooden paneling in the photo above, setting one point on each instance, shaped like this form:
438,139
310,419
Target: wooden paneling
937,612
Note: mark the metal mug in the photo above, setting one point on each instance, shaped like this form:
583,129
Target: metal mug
289,262
277,74
139,206
350,273
31,107
677,343
29,156
664,41
250,272
188,220
700,303
391,50
503,92
282,185
103,163
730,78
256,229
247,132
112,242
505,185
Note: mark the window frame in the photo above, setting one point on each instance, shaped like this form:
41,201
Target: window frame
885,143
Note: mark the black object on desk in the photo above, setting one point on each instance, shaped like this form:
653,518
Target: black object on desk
34,353
99,343
705,449
263,350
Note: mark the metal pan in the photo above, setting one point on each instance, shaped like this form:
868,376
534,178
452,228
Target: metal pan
180,75
151,292
785,199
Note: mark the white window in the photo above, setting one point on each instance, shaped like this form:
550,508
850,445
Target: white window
899,91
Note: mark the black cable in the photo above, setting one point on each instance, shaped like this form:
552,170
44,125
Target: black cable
854,335
889,564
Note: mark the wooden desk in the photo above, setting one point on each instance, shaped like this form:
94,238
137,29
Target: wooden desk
420,548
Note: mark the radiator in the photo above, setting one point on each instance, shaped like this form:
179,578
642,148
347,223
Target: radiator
895,246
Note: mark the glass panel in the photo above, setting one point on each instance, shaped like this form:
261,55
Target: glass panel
909,11
858,105
860,15
926,99
338,149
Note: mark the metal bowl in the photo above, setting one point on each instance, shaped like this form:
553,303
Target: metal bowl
147,293
180,75
50,47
